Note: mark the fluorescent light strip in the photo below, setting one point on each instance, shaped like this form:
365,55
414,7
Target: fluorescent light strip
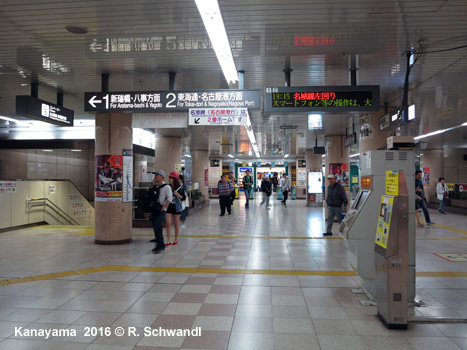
214,24
355,155
19,122
430,134
231,156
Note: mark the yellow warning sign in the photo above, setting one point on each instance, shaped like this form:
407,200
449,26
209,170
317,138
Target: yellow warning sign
392,182
453,257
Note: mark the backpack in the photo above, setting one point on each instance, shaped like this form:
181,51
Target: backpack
151,200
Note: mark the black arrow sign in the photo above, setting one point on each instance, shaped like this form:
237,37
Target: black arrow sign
196,120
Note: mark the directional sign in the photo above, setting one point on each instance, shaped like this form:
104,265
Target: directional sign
155,101
321,98
218,116
32,107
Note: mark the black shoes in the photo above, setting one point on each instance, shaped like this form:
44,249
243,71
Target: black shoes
327,234
152,240
158,250
230,213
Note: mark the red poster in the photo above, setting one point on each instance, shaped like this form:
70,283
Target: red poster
109,178
341,170
426,177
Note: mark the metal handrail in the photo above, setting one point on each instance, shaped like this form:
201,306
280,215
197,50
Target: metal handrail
57,209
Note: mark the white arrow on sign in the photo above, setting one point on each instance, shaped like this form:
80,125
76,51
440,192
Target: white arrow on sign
92,101
95,46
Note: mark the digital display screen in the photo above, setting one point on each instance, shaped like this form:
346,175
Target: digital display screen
361,199
315,182
321,98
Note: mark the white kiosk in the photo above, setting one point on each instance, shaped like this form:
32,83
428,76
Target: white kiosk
314,196
359,225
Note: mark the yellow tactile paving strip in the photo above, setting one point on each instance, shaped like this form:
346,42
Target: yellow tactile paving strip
214,271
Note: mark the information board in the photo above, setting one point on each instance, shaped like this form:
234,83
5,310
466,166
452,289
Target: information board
217,116
392,182
34,108
155,101
322,98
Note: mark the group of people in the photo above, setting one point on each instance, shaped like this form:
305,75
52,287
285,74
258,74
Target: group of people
165,202
226,191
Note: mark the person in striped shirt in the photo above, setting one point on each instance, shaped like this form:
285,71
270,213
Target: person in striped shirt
225,189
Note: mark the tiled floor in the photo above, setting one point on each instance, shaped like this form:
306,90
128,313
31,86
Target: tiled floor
269,309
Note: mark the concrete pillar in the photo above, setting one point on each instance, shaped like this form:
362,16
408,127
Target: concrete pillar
167,154
313,161
432,159
200,163
376,139
113,219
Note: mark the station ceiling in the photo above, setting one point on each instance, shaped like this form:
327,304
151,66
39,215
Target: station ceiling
318,39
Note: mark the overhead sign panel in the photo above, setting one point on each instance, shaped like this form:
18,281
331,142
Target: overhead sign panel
28,106
155,101
217,116
322,98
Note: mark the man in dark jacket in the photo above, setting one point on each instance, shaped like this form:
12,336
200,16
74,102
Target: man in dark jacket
337,202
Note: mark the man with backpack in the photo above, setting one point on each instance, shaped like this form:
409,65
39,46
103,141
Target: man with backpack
156,201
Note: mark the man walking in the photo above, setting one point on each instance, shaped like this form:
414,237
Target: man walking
161,197
247,186
225,189
421,203
266,188
285,187
336,201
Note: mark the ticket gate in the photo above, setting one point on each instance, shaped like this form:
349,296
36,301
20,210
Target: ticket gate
360,223
391,252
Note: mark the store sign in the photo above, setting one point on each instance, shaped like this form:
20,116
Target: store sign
217,116
155,101
31,107
127,186
322,98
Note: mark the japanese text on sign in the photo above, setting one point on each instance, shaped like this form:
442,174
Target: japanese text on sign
7,187
209,116
392,183
170,101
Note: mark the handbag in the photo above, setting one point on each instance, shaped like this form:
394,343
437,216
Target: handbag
446,198
179,207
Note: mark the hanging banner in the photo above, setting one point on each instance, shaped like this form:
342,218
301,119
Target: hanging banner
109,178
341,170
127,192
206,177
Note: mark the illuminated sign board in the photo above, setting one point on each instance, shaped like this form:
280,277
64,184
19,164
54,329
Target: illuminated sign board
411,112
217,116
155,101
322,98
28,106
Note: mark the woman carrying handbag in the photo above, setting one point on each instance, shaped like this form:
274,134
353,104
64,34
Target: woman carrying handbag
175,209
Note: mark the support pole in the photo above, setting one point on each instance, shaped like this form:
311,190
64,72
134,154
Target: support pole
172,81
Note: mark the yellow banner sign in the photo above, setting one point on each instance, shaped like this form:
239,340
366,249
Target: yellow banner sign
392,183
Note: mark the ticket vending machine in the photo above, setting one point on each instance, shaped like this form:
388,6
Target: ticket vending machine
391,251
314,195
360,223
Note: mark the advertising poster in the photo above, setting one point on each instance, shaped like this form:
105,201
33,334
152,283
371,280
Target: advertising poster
341,170
426,177
206,177
109,178
301,178
127,190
